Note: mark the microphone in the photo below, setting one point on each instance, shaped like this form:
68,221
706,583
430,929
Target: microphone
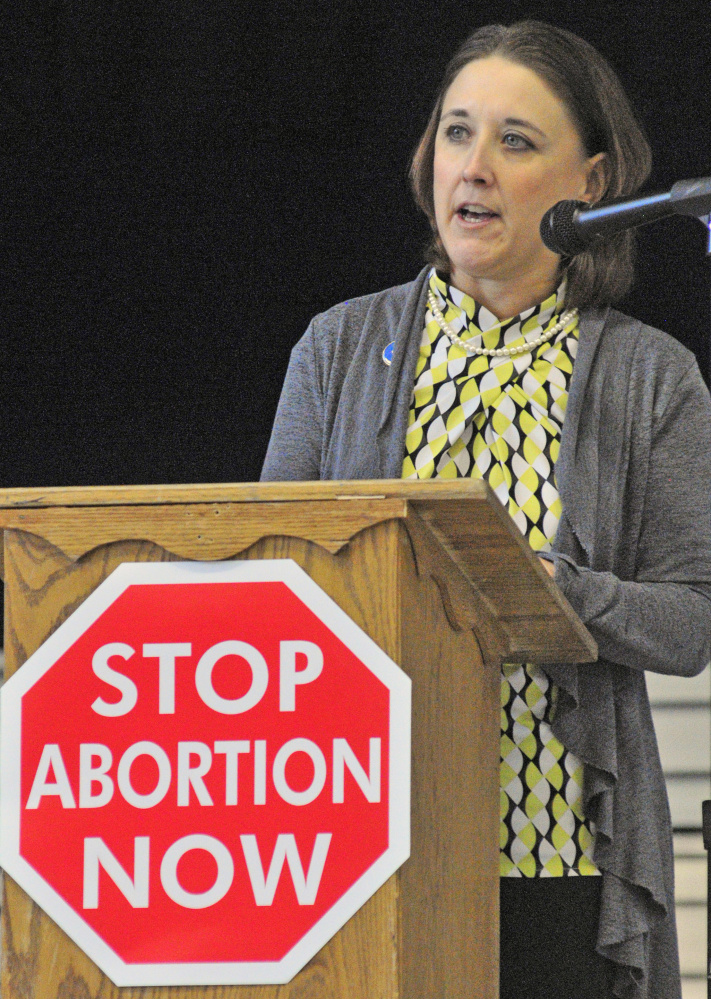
571,226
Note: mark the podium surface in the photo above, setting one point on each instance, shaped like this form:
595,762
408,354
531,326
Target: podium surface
439,577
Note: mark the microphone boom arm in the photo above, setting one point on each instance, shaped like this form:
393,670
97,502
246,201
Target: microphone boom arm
570,226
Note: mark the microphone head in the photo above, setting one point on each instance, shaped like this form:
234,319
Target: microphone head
558,230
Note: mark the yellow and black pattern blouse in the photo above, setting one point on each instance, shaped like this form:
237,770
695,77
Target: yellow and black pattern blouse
500,419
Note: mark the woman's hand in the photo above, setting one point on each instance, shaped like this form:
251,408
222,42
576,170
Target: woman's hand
548,566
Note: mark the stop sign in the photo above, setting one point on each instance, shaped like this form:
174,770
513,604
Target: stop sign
205,772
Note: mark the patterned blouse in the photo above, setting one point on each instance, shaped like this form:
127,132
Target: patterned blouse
500,419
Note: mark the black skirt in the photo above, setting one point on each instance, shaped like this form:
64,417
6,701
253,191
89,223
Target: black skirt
548,934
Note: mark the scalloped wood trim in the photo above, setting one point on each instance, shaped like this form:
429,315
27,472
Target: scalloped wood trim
467,521
204,531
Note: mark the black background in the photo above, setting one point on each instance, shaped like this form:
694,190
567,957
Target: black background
183,185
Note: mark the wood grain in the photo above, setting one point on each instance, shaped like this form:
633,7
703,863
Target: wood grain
211,531
497,561
438,576
239,492
42,587
216,522
450,885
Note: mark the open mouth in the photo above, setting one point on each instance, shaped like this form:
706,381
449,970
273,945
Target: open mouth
472,213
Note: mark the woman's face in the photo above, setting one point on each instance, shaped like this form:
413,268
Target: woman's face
506,151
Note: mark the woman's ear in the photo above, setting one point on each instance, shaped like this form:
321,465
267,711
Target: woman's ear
597,178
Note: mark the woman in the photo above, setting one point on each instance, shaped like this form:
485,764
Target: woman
505,362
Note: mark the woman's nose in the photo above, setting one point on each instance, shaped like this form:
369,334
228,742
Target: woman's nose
478,167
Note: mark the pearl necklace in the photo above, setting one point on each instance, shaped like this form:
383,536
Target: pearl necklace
525,348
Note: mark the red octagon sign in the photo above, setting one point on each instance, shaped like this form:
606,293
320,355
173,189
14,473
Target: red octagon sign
205,772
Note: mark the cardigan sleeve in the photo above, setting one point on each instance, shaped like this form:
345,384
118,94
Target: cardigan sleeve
660,620
295,445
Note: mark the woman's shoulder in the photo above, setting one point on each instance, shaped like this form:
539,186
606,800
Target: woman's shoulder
623,332
626,358
627,343
378,308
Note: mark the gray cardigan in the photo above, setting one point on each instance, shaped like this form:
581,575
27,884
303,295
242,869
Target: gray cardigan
632,555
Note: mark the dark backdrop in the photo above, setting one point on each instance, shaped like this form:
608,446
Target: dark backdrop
182,185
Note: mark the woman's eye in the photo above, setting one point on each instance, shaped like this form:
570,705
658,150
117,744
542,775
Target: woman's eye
456,132
514,141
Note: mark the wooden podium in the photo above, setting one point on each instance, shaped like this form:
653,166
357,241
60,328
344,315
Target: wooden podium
439,577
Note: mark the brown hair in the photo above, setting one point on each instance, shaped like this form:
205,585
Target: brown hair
593,96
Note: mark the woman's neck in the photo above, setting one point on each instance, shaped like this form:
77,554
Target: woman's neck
505,299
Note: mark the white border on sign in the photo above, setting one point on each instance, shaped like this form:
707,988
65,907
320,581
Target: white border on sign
216,973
